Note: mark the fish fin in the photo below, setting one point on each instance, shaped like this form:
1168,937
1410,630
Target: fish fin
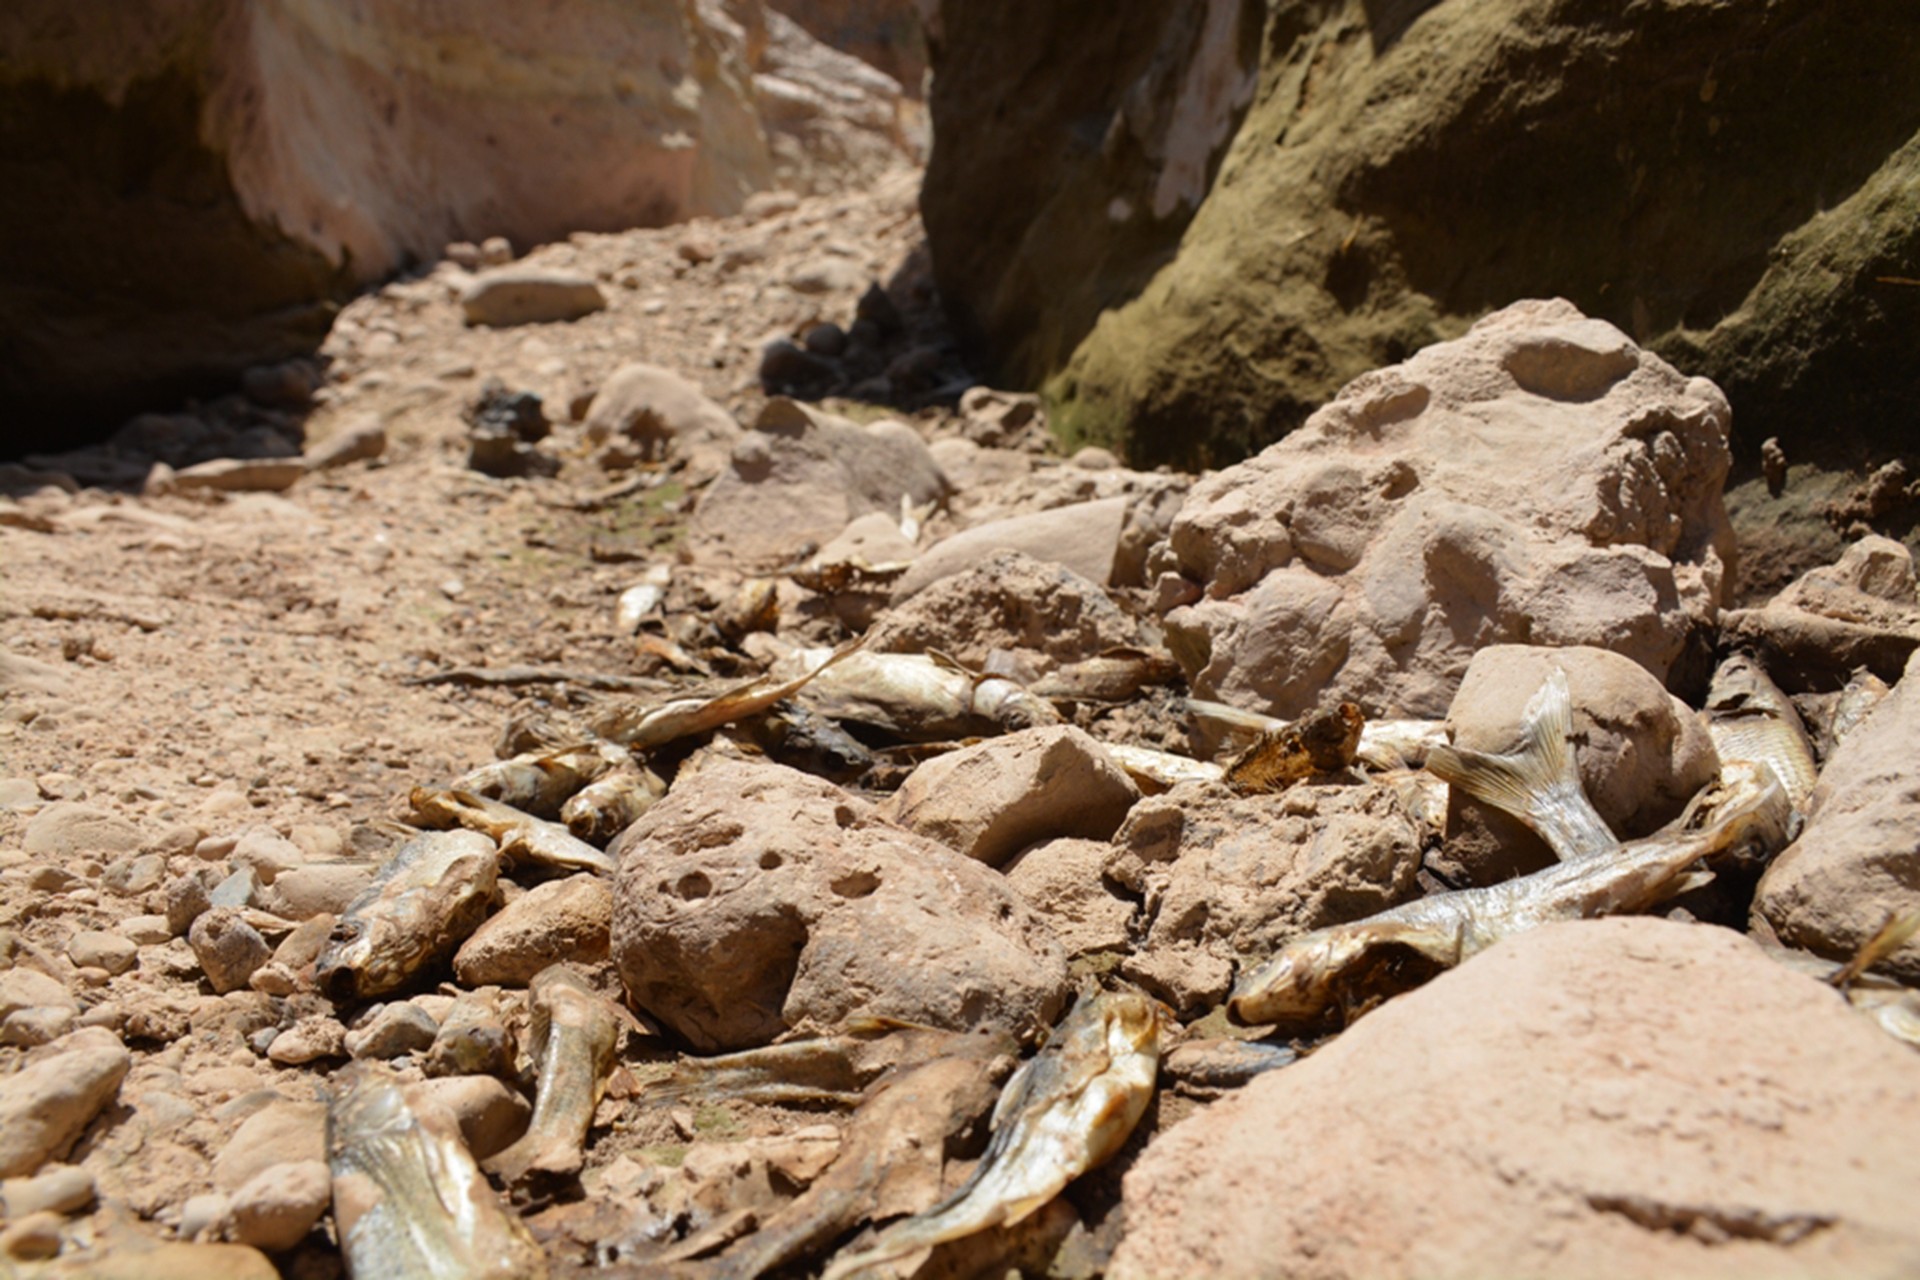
1688,881
1890,937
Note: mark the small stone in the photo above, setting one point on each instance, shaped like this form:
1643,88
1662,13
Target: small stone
179,838
62,1188
279,1205
825,339
134,875
33,1238
52,880
361,440
96,948
28,1028
70,830
529,295
237,890
274,979
227,947
45,1105
204,1215
1093,458
395,1030
303,946
19,795
146,931
266,853
242,475
491,1116
214,848
309,1040
187,897
279,1131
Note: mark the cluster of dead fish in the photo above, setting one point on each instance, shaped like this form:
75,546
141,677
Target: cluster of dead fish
411,1200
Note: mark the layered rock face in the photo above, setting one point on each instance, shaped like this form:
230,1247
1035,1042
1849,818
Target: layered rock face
1736,186
193,185
1539,481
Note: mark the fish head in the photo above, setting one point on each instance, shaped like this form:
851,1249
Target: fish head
1134,1021
1298,981
356,962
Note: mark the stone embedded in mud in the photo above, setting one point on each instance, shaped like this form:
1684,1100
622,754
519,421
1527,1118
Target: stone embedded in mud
801,475
528,294
1642,752
1863,611
993,799
663,415
566,919
46,1103
1605,1098
754,898
1038,612
1539,480
1227,878
1858,860
1083,537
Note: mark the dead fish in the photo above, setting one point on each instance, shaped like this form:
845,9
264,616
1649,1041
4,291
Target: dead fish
1862,694
808,741
1321,742
1889,938
522,837
1312,973
1118,675
642,598
1159,770
474,1038
409,1203
1538,784
1894,1008
922,696
754,606
833,1069
426,900
830,578
1750,719
1068,1108
540,782
1384,744
646,727
571,1041
609,805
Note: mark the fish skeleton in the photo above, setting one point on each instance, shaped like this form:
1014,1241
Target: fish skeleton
409,1202
1750,719
1311,973
1538,784
571,1041
1066,1110
426,900
522,837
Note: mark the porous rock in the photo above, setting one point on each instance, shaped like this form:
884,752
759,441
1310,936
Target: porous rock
801,475
1065,880
1862,611
45,1104
1038,612
993,799
664,415
566,919
755,897
1226,878
1858,860
1538,480
527,294
1642,753
1595,1098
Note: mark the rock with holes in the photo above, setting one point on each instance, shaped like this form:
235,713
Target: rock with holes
755,898
1630,1097
1226,878
1539,480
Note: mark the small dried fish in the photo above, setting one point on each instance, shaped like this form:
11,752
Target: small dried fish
1750,719
754,606
1894,1008
1159,770
424,902
1862,694
609,805
647,727
1322,742
474,1038
1067,1109
806,740
1384,744
523,838
1538,784
408,1201
1314,972
921,696
854,574
641,599
834,1069
540,782
1114,676
573,1035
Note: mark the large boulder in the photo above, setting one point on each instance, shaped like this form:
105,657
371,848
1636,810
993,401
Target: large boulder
755,898
1735,185
1540,480
1858,861
1598,1098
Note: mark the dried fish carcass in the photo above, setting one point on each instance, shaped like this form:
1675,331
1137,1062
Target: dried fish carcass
1324,742
409,1202
522,837
574,1031
646,727
609,805
433,893
540,782
1329,967
1750,719
1384,744
922,696
1065,1111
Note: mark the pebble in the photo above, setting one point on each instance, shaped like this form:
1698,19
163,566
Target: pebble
303,946
491,1116
274,979
204,1214
320,888
214,848
227,947
45,1105
278,1206
187,897
241,475
281,1130
59,1189
70,830
529,295
360,440
47,879
24,988
394,1030
19,794
266,853
309,1040
237,890
146,931
28,1028
96,948
179,838
134,874
33,1238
